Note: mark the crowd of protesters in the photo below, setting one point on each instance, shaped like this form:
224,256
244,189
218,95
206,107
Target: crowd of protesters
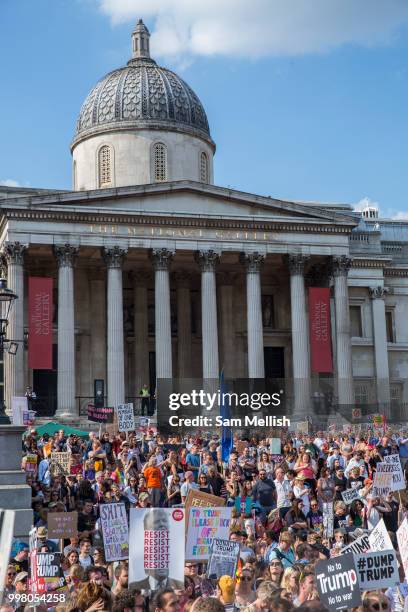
281,538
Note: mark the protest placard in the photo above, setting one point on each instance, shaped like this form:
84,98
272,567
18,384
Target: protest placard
328,519
402,538
398,480
382,484
379,539
243,504
199,499
7,518
204,524
349,495
359,546
337,583
115,531
302,427
32,539
156,552
46,572
62,524
126,418
275,446
60,463
100,414
377,570
223,559
30,463
276,458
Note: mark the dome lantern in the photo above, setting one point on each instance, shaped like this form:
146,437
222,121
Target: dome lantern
140,41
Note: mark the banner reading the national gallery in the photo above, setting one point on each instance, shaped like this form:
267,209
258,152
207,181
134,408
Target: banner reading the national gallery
319,330
40,323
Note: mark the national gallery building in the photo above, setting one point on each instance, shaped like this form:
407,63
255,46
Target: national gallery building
158,273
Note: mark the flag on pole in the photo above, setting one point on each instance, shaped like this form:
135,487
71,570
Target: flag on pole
226,432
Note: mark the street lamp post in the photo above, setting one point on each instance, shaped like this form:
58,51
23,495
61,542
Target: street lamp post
7,299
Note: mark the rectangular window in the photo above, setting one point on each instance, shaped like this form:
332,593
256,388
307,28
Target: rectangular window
389,324
356,327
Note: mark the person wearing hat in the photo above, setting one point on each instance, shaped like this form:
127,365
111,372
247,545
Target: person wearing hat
302,492
20,583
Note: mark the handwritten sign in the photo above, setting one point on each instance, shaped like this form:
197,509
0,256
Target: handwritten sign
204,524
114,531
126,418
62,525
60,463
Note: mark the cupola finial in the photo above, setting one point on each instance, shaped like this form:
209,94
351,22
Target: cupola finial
140,41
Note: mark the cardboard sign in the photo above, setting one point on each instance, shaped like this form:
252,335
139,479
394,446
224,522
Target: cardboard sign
204,524
114,531
62,525
379,539
382,484
103,414
60,463
377,570
30,464
199,499
337,583
157,537
126,418
402,538
359,546
328,519
302,427
349,495
275,446
46,572
223,559
398,480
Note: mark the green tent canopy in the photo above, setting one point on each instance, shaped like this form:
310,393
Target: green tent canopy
51,428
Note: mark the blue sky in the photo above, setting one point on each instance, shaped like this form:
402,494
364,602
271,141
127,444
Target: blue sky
309,106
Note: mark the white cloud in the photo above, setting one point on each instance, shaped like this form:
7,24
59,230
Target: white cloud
9,183
401,216
260,28
363,203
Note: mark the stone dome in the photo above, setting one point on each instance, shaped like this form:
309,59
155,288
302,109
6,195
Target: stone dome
142,95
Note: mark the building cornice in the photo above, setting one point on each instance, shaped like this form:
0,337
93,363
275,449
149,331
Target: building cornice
372,262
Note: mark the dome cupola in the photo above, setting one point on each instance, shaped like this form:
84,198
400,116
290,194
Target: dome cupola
141,124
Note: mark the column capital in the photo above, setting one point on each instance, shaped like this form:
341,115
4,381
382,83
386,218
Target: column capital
252,261
378,293
161,258
207,260
113,256
66,255
13,252
296,263
340,265
182,278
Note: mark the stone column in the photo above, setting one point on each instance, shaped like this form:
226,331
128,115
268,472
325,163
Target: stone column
256,363
377,295
227,324
141,330
115,343
184,346
208,261
345,388
13,253
66,332
161,259
300,336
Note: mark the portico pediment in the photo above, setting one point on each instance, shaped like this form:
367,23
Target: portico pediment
184,199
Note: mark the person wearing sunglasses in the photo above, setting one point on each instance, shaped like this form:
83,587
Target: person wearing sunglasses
376,601
244,590
9,587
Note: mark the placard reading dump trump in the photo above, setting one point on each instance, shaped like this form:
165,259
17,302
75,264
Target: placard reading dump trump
156,548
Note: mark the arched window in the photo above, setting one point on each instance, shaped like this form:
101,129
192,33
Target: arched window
105,166
203,167
160,162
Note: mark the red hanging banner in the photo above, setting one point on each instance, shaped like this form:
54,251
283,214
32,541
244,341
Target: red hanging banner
319,330
40,323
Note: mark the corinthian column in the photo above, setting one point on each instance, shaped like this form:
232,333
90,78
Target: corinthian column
227,323
161,259
13,253
208,261
345,390
66,331
141,330
377,295
184,355
256,364
300,336
113,258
